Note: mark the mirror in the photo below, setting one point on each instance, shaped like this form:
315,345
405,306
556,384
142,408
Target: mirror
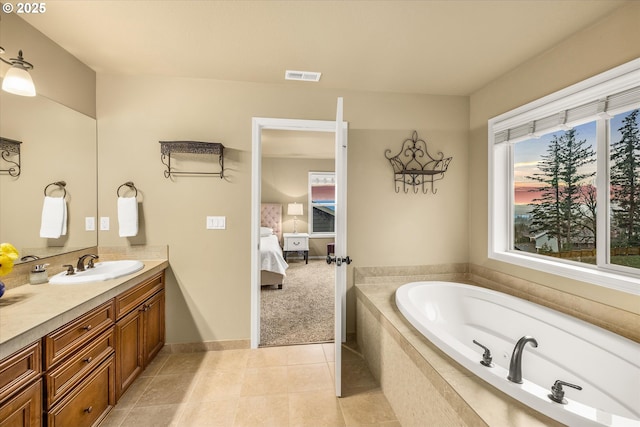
58,144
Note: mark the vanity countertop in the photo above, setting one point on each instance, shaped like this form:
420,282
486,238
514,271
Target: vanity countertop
29,312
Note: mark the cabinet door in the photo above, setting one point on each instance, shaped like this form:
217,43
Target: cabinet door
23,410
154,326
129,349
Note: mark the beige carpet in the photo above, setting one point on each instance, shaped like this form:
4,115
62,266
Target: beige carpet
302,311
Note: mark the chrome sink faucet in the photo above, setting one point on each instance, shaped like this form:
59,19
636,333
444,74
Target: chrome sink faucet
515,367
80,266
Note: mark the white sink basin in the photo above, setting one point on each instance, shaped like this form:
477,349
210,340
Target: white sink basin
102,271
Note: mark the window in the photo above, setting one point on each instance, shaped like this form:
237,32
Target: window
549,163
322,204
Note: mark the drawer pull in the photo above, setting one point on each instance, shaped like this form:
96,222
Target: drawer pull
88,359
145,307
87,328
296,243
89,409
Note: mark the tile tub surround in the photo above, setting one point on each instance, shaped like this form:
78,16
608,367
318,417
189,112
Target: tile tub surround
29,312
412,371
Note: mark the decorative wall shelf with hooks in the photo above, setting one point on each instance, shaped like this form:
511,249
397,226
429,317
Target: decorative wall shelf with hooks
413,166
167,148
10,148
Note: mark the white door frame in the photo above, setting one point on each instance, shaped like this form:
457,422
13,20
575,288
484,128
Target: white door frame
259,124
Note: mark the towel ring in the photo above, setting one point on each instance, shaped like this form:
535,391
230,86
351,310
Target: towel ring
60,184
128,184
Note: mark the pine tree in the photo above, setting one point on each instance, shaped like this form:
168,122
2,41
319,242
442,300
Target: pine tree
574,155
625,180
546,213
559,210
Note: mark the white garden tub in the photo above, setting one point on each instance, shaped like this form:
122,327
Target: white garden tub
605,365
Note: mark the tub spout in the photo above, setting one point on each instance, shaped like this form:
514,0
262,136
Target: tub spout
515,367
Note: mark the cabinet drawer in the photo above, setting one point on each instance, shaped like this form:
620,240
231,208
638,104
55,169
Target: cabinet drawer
128,300
89,402
62,342
24,409
297,244
63,378
19,369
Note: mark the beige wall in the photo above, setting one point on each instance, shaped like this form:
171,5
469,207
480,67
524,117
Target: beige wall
608,43
57,74
208,296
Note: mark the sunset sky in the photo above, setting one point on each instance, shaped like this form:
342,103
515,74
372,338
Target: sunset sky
528,153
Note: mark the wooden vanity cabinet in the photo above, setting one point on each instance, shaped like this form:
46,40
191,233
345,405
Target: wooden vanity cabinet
75,374
139,329
21,388
80,369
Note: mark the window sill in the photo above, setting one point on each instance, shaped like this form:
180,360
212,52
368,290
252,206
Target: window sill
322,235
594,275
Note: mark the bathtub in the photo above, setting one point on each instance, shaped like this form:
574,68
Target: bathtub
605,365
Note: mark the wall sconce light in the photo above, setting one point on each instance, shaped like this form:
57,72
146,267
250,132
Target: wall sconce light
17,80
294,209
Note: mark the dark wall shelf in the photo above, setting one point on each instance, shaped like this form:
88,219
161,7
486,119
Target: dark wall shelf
167,148
10,148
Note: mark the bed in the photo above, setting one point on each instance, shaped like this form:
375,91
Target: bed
272,263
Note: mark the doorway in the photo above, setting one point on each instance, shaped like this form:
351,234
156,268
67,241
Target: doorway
339,129
298,177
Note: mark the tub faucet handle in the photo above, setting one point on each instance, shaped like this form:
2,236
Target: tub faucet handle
486,356
557,393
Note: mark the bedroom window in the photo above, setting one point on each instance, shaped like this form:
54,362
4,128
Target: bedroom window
322,204
564,180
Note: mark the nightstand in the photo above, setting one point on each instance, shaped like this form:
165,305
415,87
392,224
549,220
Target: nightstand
296,242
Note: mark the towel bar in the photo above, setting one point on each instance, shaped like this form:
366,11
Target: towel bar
190,147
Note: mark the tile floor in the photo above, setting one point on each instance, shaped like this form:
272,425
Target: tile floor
274,386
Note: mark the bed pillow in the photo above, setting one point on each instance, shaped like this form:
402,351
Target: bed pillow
266,231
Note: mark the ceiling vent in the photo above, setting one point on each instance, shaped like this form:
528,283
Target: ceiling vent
306,76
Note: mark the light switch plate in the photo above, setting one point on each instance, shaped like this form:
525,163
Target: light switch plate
90,223
104,223
216,222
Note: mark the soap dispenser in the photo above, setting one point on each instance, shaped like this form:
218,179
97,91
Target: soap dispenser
38,274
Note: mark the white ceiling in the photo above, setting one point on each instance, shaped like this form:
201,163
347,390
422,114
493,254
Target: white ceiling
435,47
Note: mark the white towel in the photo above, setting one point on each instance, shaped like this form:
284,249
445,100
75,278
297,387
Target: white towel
128,216
54,217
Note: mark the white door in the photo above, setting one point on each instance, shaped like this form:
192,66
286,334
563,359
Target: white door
341,259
